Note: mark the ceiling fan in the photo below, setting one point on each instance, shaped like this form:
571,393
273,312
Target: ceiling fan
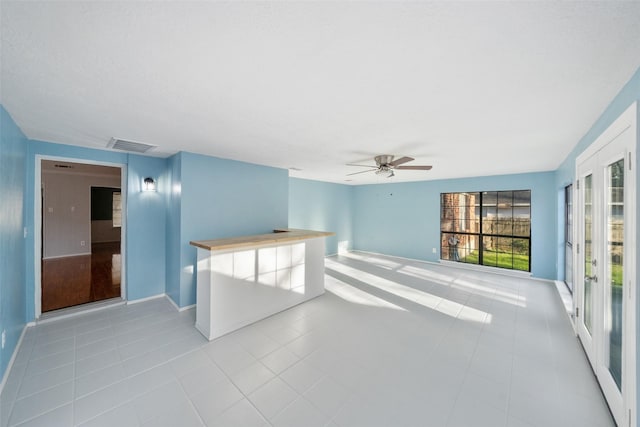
385,165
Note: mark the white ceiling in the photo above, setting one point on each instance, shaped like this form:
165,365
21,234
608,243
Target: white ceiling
479,88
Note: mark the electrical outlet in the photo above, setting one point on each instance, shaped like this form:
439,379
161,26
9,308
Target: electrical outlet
82,242
25,232
4,338
50,210
434,250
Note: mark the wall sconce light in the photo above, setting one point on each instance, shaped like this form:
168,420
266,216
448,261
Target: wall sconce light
149,184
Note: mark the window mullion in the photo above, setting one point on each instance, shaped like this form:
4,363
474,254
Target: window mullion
481,233
509,247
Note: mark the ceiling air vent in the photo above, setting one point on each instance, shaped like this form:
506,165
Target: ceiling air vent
135,147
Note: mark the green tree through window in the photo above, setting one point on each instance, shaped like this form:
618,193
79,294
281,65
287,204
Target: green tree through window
490,228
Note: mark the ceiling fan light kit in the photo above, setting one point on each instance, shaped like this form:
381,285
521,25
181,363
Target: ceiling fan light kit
385,165
385,171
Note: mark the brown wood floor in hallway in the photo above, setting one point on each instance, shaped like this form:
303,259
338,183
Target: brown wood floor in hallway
81,279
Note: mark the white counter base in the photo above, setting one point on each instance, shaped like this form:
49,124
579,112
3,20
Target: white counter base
236,287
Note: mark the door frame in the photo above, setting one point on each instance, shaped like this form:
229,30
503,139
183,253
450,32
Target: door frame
37,223
586,337
569,191
627,121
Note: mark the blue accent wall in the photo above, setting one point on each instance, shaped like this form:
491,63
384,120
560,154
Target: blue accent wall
146,227
224,198
627,95
145,219
565,174
322,206
173,200
13,156
403,219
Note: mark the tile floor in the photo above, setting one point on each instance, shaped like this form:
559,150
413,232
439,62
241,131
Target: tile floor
391,343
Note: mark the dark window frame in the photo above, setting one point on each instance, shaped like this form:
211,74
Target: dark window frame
102,204
497,203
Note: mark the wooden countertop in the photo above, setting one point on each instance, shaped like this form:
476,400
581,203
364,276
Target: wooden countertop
278,235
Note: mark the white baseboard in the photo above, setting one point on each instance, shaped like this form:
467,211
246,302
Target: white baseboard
162,295
13,356
178,308
567,301
138,301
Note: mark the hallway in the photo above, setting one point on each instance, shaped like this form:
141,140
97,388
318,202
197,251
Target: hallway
75,280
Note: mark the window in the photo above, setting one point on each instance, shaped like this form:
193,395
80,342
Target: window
117,209
106,205
488,228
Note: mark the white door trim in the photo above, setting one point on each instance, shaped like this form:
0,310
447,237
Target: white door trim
627,121
586,336
37,223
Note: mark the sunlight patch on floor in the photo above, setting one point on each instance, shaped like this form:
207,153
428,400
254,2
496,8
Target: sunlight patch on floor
352,294
442,305
490,292
375,260
421,273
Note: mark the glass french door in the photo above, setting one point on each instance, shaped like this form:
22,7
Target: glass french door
605,269
568,237
586,260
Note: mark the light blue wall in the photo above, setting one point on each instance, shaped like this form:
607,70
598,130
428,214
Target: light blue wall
224,198
403,219
143,210
627,95
173,200
13,156
146,227
565,174
322,206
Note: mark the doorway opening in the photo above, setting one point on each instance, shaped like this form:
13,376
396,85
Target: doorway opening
81,234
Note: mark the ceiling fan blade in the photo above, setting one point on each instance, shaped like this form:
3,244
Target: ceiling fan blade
362,166
401,161
415,168
356,173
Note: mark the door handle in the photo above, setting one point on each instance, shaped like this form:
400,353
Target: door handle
593,278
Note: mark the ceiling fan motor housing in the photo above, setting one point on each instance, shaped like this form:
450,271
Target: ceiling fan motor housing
383,159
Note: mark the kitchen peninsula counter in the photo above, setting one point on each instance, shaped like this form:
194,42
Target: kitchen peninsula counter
241,280
279,235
